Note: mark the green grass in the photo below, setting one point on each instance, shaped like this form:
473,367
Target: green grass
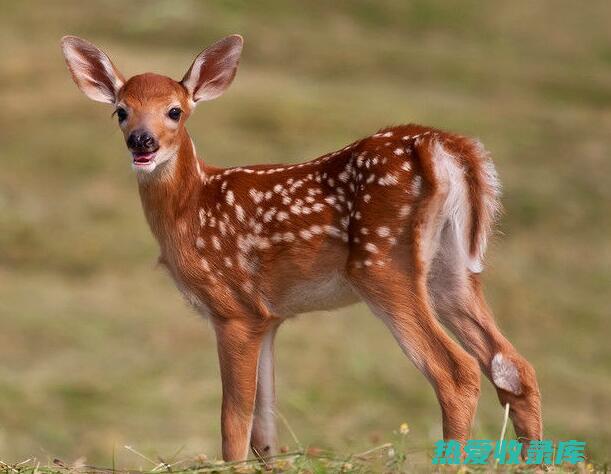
97,349
394,456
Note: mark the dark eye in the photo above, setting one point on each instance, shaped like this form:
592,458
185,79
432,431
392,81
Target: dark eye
175,113
121,114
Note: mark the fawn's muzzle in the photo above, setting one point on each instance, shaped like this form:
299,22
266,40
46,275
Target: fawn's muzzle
141,141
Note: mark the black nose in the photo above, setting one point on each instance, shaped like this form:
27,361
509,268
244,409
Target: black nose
141,140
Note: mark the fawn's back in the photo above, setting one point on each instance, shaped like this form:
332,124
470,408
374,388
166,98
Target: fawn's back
282,238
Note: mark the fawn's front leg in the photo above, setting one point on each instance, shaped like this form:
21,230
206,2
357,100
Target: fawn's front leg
238,347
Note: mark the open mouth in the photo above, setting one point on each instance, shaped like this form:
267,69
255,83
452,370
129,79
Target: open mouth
141,158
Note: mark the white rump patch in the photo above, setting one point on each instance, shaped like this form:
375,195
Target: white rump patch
505,374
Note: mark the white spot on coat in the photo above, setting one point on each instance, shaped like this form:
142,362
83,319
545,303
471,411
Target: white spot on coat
383,231
305,234
257,196
371,247
239,212
388,179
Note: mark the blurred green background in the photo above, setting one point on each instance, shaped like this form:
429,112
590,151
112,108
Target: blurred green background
97,348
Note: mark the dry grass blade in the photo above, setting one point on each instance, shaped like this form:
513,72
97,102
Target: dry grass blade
365,454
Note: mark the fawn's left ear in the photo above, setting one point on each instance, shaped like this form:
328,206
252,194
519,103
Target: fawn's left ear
92,70
213,70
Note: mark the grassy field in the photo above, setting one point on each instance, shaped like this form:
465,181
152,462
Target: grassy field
98,350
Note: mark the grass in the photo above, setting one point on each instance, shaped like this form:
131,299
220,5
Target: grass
396,455
389,457
97,348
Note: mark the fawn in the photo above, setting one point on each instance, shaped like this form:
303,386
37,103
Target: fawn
399,219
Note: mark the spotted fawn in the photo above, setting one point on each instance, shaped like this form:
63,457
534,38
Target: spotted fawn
398,219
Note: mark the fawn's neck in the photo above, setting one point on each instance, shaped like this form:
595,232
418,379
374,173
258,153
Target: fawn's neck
170,196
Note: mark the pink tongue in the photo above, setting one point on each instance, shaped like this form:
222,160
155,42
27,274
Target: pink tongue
142,159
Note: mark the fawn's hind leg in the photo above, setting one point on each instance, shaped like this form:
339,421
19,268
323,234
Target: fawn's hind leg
390,274
402,304
459,302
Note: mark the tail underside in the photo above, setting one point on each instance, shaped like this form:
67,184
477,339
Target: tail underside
461,169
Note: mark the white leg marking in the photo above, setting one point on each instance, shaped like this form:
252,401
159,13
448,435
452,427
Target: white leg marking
505,374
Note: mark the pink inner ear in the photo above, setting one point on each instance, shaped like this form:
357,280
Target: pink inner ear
214,69
216,86
92,70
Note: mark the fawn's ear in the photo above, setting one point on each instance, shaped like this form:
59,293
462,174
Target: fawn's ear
214,69
92,71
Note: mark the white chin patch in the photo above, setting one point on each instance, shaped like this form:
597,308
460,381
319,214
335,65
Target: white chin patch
505,374
161,156
144,168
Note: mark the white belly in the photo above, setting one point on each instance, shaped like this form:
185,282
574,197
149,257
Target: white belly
329,292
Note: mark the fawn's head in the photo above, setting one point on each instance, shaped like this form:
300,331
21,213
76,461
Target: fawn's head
152,109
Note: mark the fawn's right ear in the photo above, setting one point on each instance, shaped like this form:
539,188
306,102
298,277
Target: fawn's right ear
92,71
